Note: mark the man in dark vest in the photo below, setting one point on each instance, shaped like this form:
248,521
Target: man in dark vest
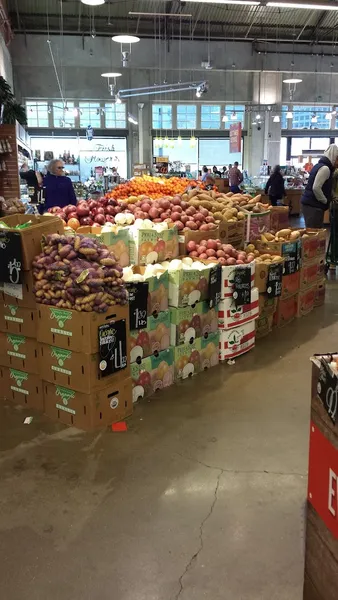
318,192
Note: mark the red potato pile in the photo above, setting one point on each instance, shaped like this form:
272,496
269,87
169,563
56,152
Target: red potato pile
225,254
80,273
173,210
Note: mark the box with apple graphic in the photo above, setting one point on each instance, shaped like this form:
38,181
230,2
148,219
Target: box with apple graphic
152,374
188,286
230,315
191,322
151,340
236,341
148,246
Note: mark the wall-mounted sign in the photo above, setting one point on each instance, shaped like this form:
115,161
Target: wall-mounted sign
235,137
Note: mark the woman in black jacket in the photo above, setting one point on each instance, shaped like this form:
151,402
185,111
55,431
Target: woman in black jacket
275,186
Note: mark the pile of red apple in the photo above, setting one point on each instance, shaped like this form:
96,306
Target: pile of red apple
225,254
173,210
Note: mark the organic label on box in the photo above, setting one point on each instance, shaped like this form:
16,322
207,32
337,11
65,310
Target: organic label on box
274,281
66,395
61,356
19,377
13,310
242,286
16,341
138,304
112,347
61,316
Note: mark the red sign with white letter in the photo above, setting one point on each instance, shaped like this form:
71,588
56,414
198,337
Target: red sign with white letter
235,137
323,479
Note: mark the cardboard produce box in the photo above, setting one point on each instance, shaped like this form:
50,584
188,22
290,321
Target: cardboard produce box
261,276
196,236
279,218
232,232
208,349
228,274
118,243
89,411
286,310
230,316
320,293
226,232
74,370
148,246
312,272
263,325
306,300
31,237
256,224
19,352
21,387
158,290
187,287
290,251
151,340
154,373
19,295
314,245
186,361
14,319
189,323
237,341
290,284
73,330
267,305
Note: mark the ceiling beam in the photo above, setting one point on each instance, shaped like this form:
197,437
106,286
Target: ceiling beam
316,27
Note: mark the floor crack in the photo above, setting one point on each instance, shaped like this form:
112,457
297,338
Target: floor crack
257,471
201,543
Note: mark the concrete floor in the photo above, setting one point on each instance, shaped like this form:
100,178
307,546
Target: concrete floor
203,497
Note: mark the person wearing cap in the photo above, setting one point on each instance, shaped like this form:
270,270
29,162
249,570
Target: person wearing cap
317,195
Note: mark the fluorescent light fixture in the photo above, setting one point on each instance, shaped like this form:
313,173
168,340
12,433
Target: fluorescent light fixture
289,114
225,119
242,2
328,116
233,116
198,94
314,119
308,6
276,119
258,117
292,80
253,123
156,14
125,39
132,119
93,2
111,74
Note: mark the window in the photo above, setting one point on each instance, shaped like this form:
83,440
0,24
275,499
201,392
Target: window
302,116
282,156
212,152
210,116
115,115
235,114
186,116
63,117
162,116
37,114
298,145
90,114
284,121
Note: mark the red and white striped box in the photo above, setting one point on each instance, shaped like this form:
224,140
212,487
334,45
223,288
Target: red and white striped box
230,316
228,274
237,341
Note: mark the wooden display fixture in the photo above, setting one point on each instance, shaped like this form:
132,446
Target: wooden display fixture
9,178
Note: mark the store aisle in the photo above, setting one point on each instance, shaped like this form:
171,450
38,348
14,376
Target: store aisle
203,498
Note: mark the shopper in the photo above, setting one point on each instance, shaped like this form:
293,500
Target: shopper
58,189
308,165
205,173
33,180
317,195
235,178
216,172
225,172
207,178
275,186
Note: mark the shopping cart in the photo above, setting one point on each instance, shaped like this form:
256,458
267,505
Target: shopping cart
331,259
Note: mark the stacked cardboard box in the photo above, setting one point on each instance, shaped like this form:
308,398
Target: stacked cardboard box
312,273
267,305
19,367
236,324
75,390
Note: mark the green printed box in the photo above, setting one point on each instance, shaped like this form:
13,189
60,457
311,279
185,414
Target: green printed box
148,246
186,360
188,286
153,339
189,323
208,351
152,374
19,352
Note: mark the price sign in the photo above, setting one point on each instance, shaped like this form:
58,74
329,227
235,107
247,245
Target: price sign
138,301
291,255
10,257
215,282
242,286
327,389
274,282
112,347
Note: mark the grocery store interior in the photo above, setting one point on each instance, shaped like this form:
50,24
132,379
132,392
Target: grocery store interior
168,300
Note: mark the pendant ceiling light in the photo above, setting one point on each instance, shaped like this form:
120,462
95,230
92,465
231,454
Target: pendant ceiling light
93,2
111,74
292,80
276,119
125,39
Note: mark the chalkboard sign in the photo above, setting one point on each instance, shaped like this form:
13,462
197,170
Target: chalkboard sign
138,301
112,347
242,286
327,389
291,255
10,257
215,282
274,281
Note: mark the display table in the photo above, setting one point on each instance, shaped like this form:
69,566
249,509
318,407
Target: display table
292,199
222,184
321,555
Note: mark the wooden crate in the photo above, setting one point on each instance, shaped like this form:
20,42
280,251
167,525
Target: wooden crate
321,553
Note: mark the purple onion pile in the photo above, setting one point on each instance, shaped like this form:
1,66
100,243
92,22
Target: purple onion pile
78,273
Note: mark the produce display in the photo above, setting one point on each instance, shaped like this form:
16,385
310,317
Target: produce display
284,235
77,272
153,187
225,254
11,206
